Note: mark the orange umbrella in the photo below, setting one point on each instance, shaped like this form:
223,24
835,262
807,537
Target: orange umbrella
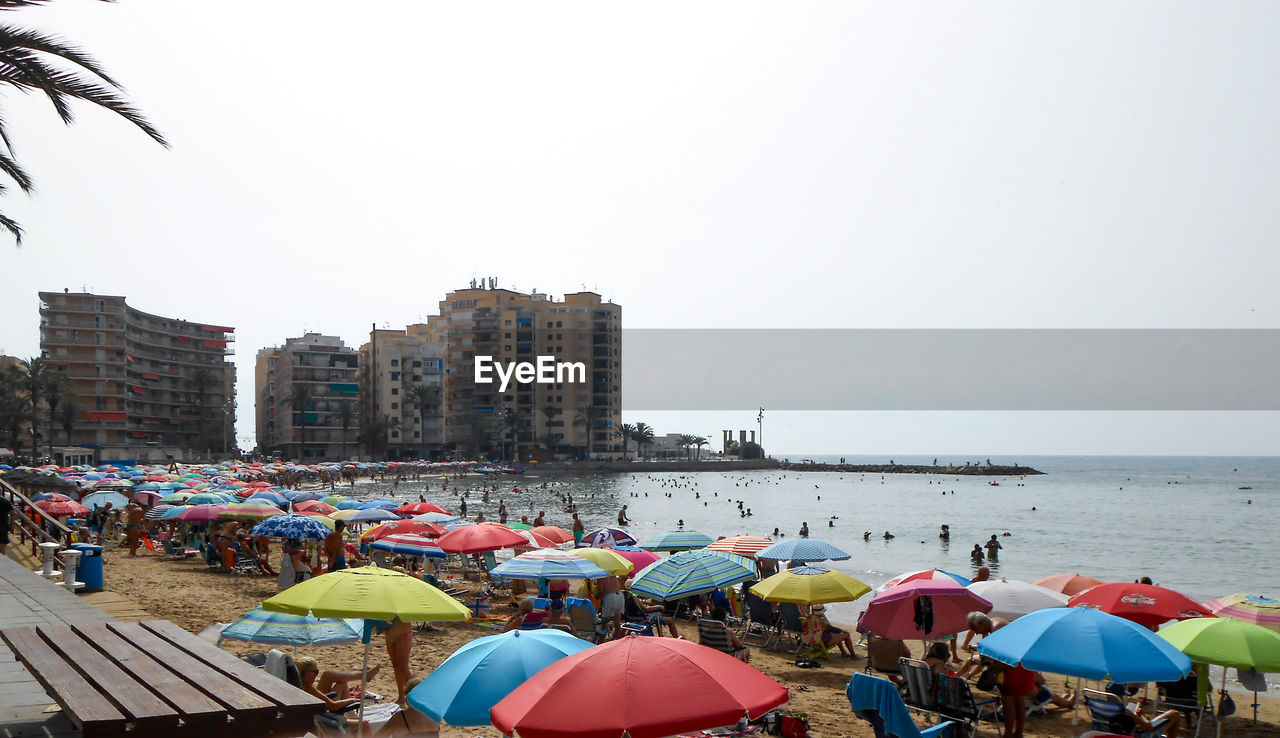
1067,584
479,538
741,545
553,533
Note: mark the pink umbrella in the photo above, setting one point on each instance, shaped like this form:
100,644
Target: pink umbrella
201,513
638,557
921,609
146,496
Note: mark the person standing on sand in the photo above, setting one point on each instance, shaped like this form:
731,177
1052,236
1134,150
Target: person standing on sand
133,528
333,548
399,641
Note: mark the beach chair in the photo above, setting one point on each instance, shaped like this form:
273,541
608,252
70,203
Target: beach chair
719,598
1105,714
1183,696
762,621
715,634
956,702
813,642
922,687
790,625
877,701
246,565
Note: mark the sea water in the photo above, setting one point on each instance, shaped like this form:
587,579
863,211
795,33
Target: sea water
1183,521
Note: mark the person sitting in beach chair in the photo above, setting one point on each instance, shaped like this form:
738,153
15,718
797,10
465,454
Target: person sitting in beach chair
526,617
1109,713
883,655
556,618
636,611
332,688
829,634
1044,697
714,633
878,701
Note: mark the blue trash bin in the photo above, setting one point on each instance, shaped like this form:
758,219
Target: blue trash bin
90,571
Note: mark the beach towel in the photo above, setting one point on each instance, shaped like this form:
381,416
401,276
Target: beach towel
146,541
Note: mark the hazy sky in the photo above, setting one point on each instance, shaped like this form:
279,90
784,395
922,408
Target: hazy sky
703,164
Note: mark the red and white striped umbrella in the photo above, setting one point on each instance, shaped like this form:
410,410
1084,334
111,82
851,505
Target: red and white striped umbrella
741,545
925,574
1251,608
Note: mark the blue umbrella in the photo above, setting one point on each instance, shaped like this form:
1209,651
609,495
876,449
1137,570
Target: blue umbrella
275,498
549,563
370,515
802,549
678,540
424,550
378,503
173,512
480,674
100,499
206,498
291,525
435,517
1086,643
347,504
283,629
692,572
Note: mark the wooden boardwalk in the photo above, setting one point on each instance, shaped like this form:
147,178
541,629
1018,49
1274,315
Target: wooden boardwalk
27,599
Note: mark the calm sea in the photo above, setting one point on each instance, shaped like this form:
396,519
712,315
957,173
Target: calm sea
1206,526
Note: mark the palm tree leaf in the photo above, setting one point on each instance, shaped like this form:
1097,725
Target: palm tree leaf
11,167
11,225
25,38
26,70
106,97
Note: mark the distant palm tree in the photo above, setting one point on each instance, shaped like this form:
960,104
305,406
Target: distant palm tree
36,62
586,417
36,376
549,412
625,432
512,424
346,415
698,443
65,415
13,405
686,443
200,382
56,388
425,398
300,399
644,436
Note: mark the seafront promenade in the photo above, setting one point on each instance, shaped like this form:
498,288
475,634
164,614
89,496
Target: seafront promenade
27,599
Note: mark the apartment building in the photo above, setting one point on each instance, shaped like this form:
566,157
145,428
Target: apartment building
402,393
307,396
147,386
569,419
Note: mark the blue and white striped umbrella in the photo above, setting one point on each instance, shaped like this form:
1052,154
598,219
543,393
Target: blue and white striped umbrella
549,563
678,540
283,629
802,549
100,499
157,512
408,544
372,514
291,525
692,572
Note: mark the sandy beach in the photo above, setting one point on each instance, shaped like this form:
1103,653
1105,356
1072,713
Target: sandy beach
186,592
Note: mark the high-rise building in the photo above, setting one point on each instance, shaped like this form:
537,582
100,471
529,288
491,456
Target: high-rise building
561,418
307,398
147,386
402,393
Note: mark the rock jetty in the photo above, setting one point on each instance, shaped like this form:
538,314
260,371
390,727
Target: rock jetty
972,470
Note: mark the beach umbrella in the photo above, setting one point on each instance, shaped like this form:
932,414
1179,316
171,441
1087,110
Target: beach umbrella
519,526
553,533
1145,604
170,514
549,564
335,499
435,517
146,497
808,585
371,593
421,508
371,515
291,526
176,498
893,613
480,537
379,503
99,499
158,512
200,513
691,572
54,496
638,557
802,549
1251,608
408,544
284,629
269,495
347,504
637,687
678,540
392,527
1067,584
207,498
304,496
1226,642
912,576
1085,643
314,506
747,546
535,541
608,559
607,538
1011,599
462,689
250,511
62,508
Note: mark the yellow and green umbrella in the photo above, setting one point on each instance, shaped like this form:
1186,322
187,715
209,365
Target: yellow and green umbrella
810,585
606,559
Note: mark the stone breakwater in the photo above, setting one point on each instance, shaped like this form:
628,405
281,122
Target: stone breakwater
970,471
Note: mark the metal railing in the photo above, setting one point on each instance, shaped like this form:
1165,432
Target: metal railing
29,530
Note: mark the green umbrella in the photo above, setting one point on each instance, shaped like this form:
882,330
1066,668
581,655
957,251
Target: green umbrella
1226,642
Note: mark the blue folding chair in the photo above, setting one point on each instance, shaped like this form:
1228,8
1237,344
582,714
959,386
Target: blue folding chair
878,701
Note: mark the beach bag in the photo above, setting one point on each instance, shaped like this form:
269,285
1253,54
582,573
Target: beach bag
793,726
988,680
1226,706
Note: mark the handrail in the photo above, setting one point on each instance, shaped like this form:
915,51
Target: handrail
27,527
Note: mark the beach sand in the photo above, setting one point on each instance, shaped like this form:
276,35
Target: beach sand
189,594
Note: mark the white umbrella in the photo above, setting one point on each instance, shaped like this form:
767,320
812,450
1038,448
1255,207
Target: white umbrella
1011,599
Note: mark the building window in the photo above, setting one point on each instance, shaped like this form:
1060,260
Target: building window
417,364
395,434
559,324
416,434
395,362
395,390
395,406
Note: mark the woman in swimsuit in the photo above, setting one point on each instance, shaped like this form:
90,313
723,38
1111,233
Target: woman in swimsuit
399,641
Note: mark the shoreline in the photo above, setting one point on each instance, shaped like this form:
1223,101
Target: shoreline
682,465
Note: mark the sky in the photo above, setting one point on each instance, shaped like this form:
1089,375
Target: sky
711,165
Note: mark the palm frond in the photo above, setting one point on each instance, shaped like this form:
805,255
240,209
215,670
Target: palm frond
11,225
10,166
24,38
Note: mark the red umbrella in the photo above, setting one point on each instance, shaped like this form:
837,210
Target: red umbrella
1144,604
900,612
1067,584
395,527
314,506
640,687
553,533
479,538
419,508
61,508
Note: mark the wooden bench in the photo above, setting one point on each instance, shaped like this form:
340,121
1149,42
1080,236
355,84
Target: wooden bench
155,679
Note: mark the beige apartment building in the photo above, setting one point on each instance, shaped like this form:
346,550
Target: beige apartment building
402,394
147,386
307,399
564,419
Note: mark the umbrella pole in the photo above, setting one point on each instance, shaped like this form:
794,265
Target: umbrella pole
364,674
1218,718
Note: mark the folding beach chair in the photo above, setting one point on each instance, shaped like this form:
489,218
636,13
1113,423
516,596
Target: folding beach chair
877,701
956,701
922,687
762,621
